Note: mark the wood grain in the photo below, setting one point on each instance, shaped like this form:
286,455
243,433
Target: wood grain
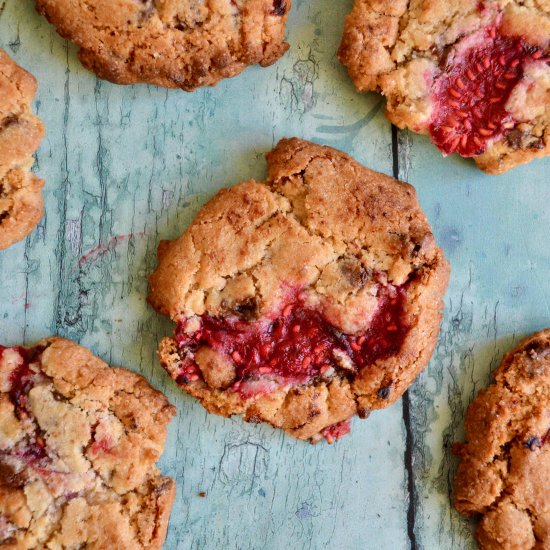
128,166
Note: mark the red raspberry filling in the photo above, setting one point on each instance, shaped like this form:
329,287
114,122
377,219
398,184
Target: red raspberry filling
471,93
101,446
21,382
36,452
336,431
21,379
298,345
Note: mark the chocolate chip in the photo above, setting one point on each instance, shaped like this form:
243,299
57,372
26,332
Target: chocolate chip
354,273
182,380
10,478
537,347
384,392
58,396
247,309
163,486
313,413
11,120
442,54
279,7
146,12
202,494
533,443
518,139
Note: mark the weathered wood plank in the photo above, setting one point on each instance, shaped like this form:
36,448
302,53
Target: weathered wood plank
494,232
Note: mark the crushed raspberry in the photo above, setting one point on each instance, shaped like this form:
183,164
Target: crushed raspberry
101,446
336,431
298,345
21,379
471,93
188,373
35,452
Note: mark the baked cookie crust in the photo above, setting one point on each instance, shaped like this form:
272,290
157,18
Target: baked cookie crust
472,75
21,206
78,446
172,43
504,468
304,299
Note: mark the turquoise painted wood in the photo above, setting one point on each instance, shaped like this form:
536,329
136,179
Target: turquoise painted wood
127,166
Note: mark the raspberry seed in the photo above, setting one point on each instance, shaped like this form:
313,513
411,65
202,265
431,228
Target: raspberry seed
471,92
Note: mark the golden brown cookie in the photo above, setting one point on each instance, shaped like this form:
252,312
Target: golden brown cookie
78,446
21,204
304,299
504,471
474,76
173,43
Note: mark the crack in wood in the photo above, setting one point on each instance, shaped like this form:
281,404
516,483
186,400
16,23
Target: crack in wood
411,509
408,455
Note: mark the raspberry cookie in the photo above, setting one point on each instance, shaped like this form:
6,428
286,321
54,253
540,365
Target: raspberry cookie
504,472
472,75
78,446
304,299
171,43
21,204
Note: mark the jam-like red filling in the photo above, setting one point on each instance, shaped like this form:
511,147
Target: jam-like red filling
336,431
101,446
471,93
21,382
298,345
21,379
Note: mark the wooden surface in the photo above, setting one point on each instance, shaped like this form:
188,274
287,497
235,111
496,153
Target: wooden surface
127,166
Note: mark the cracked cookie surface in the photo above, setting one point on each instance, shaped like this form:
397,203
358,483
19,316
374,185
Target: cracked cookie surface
473,76
504,469
173,43
78,446
304,299
21,205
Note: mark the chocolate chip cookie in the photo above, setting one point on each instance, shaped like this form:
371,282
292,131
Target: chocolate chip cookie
78,446
21,205
473,76
504,471
304,299
173,43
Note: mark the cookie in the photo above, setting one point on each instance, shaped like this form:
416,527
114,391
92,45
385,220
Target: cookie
473,76
21,205
78,446
172,43
304,299
504,468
